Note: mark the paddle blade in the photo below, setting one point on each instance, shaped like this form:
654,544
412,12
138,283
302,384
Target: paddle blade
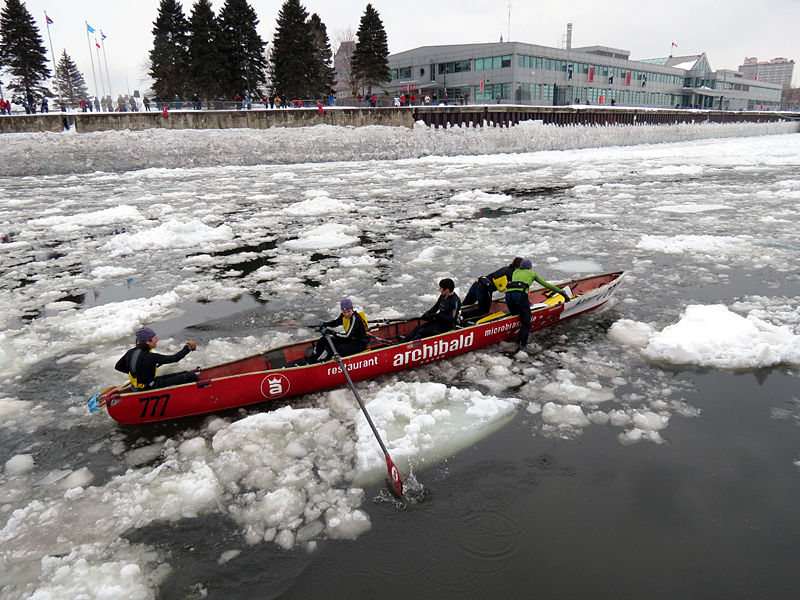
492,317
94,403
394,475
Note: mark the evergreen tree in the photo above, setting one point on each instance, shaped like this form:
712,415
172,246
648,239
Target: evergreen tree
370,59
71,81
325,85
22,53
295,62
242,48
169,57
206,61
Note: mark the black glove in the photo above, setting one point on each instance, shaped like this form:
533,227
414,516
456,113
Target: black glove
566,296
427,317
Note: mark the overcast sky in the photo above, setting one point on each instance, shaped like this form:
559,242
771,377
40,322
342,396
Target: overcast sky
726,31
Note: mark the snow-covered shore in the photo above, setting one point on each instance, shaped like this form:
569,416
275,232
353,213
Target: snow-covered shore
29,154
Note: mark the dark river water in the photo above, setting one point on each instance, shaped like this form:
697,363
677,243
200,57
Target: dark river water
711,514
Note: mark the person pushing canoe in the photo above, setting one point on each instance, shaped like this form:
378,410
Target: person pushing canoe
483,288
518,301
141,363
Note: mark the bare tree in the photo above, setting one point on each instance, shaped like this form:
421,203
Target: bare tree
344,41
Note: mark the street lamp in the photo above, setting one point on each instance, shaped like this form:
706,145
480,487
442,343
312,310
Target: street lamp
247,76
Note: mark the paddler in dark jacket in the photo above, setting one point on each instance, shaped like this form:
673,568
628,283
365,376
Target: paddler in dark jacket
518,301
141,363
441,317
483,288
352,341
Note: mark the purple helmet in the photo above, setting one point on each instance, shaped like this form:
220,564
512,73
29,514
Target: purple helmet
145,334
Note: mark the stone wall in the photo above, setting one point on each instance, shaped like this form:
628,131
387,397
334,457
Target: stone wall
436,116
208,119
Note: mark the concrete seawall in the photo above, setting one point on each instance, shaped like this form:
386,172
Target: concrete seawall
207,119
435,116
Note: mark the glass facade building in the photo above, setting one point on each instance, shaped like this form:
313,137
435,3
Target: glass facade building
519,73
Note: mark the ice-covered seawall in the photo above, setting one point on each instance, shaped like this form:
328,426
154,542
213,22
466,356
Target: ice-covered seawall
60,153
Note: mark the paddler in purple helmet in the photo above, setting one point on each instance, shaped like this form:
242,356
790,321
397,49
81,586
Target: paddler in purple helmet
141,363
517,297
352,341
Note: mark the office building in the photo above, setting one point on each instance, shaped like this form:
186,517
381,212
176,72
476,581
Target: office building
522,73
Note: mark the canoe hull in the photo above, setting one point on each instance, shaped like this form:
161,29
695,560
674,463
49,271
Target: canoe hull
221,387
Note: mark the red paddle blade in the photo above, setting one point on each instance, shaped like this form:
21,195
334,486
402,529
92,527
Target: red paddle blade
394,475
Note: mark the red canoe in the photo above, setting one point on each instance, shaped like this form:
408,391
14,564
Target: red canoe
277,373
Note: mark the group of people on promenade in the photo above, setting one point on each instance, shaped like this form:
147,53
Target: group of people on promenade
141,363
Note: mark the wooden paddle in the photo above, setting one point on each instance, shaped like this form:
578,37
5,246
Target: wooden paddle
394,474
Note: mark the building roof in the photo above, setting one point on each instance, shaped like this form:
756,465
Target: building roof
687,63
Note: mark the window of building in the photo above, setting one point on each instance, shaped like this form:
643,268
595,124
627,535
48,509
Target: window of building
529,62
402,73
458,66
551,64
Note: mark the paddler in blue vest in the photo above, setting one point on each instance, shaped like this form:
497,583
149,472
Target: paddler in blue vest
517,297
141,363
352,341
441,317
483,288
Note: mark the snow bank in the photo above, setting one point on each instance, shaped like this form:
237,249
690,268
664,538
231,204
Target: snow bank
50,153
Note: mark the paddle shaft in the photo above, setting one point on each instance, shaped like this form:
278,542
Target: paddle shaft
393,472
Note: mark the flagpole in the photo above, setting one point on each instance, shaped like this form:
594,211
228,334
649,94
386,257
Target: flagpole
53,54
99,66
94,75
103,43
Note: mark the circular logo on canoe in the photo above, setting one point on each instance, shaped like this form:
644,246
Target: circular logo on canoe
275,386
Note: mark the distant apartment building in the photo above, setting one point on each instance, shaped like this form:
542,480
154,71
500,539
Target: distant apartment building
777,70
540,75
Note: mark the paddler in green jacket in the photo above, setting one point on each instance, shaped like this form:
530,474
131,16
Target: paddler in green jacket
517,297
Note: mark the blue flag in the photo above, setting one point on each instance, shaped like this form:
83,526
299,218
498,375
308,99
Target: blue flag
102,35
89,28
48,19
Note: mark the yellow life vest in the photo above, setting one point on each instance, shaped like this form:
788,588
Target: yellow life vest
346,321
500,283
134,382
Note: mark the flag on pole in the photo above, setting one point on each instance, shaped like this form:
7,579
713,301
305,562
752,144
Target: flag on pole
96,44
674,45
89,28
48,19
102,35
